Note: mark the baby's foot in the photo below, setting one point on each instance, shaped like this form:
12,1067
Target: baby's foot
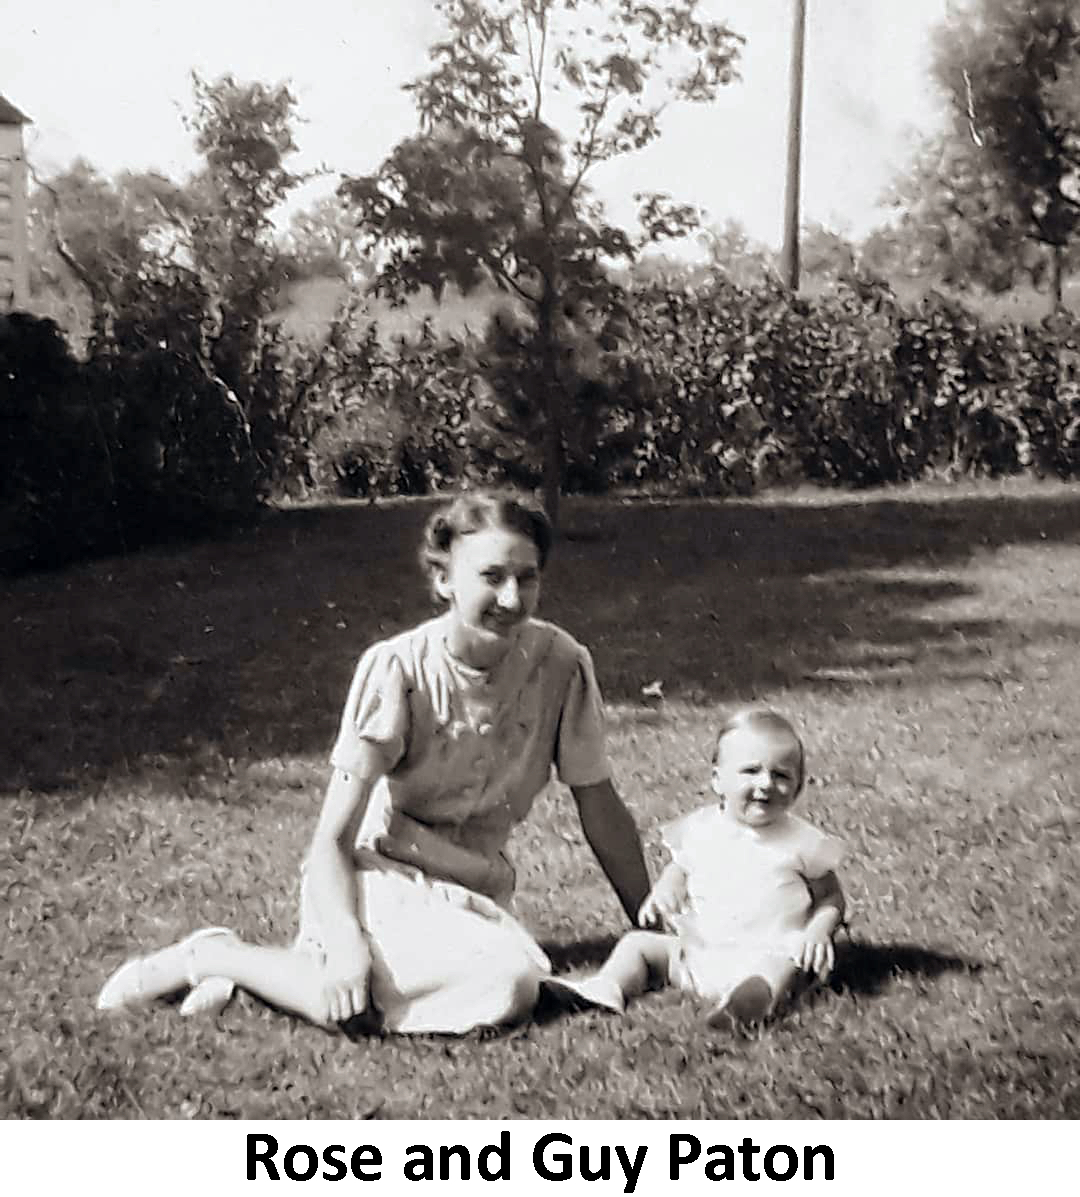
148,977
593,991
748,1003
210,996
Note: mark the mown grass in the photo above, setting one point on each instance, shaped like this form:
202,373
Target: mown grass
166,719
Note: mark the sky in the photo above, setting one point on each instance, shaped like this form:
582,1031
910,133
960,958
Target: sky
109,81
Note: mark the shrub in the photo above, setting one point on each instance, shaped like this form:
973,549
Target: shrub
182,454
713,389
109,454
849,389
57,498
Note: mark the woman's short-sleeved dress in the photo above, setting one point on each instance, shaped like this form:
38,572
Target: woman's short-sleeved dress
469,751
747,897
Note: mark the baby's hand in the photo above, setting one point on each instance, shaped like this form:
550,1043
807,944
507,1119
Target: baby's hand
813,951
665,900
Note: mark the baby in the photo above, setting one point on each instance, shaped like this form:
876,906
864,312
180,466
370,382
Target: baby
750,898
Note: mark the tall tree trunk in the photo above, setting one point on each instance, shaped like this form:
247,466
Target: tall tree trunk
553,447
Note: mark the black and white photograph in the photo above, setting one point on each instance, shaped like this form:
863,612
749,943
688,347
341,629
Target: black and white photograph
540,578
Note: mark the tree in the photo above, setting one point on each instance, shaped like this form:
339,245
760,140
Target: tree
244,133
113,237
323,240
488,190
195,270
731,250
957,224
826,254
1011,70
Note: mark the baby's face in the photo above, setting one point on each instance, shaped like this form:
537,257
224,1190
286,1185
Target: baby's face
758,775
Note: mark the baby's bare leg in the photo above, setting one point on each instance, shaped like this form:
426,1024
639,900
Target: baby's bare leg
781,973
636,959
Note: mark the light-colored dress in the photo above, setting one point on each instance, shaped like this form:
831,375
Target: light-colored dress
471,750
747,896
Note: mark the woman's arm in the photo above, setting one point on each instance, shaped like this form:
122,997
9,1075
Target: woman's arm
613,837
331,882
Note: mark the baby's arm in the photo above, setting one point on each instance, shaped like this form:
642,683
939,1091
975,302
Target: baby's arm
666,898
815,952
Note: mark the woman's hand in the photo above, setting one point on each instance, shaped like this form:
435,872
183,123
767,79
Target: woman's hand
346,975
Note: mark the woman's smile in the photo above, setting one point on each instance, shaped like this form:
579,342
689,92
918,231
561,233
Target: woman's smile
492,583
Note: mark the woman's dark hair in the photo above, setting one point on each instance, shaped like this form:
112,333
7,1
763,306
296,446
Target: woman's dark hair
475,510
763,719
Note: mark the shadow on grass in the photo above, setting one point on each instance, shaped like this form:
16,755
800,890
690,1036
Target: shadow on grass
241,649
581,953
867,969
862,969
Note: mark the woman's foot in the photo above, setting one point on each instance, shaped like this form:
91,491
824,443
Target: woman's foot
148,977
210,996
750,1002
592,991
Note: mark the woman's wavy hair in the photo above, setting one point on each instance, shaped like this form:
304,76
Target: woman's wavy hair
474,510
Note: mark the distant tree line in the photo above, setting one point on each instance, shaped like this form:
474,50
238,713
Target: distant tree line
179,399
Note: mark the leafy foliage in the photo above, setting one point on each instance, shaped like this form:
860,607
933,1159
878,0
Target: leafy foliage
488,190
205,405
401,415
55,485
851,389
985,201
113,453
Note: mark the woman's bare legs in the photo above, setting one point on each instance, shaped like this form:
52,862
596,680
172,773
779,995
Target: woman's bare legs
285,977
289,978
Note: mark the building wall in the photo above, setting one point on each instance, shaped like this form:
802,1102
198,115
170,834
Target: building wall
14,255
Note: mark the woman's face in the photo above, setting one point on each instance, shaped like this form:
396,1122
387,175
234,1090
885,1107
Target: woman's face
492,583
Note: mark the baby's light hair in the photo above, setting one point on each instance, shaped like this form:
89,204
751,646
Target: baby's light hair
763,719
472,511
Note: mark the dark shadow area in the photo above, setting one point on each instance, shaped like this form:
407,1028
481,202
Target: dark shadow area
862,970
582,953
226,655
866,969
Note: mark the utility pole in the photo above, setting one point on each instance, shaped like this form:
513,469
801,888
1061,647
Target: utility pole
789,262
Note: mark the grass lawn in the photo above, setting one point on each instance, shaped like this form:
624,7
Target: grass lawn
166,720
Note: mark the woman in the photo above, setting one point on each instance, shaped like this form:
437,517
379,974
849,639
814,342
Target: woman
450,731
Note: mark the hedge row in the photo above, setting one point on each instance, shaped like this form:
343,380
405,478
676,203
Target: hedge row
849,390
106,455
710,391
723,390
